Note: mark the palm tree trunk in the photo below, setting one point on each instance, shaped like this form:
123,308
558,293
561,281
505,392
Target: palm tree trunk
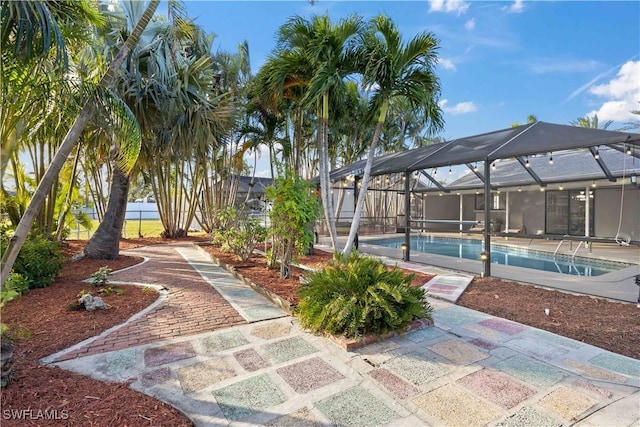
105,243
325,177
365,180
49,178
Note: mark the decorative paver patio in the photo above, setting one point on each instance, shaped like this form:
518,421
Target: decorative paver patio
416,367
448,287
156,356
356,407
531,346
200,375
250,360
530,371
394,384
566,402
424,334
308,375
224,341
456,407
455,315
528,416
617,363
246,398
300,418
155,376
504,326
289,349
268,331
458,352
593,372
497,387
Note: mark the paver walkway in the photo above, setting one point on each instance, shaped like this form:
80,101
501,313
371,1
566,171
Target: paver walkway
468,369
187,306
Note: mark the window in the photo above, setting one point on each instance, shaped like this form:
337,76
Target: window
498,201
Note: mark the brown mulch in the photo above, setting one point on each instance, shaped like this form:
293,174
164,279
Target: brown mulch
256,270
87,402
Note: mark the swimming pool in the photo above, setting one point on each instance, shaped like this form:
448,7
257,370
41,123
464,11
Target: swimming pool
505,255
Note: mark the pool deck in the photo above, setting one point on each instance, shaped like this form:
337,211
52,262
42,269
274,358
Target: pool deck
261,368
618,285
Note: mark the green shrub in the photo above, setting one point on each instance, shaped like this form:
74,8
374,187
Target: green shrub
40,260
356,296
17,282
101,276
240,234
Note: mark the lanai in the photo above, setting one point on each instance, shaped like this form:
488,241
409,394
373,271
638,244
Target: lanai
521,144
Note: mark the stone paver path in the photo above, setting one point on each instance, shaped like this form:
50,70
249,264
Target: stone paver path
468,369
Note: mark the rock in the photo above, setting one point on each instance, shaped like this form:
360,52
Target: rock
92,303
77,257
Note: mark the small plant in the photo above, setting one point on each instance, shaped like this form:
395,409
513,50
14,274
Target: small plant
295,207
100,277
356,296
111,290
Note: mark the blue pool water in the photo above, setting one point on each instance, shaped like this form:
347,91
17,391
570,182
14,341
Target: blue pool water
517,257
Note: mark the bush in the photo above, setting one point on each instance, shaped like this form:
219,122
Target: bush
40,260
17,282
356,296
240,233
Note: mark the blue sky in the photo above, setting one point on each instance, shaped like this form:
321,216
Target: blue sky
499,61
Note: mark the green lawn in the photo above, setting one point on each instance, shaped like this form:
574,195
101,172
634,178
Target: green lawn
132,229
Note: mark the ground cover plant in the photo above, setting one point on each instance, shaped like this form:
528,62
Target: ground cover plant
356,296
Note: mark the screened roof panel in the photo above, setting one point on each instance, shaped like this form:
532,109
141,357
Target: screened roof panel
567,167
543,137
401,161
467,150
525,140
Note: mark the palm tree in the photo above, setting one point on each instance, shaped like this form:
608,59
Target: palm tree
328,49
591,122
395,70
20,234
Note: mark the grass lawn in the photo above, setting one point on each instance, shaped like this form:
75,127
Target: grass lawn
133,228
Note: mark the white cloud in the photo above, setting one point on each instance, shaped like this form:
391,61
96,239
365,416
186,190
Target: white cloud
447,64
459,108
622,94
456,6
557,65
470,24
517,7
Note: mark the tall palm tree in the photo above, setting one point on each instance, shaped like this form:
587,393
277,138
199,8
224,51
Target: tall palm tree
393,69
327,48
20,234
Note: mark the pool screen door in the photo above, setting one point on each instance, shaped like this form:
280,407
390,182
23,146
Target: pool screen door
566,212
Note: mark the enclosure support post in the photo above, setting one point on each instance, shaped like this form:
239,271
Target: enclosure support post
486,261
355,206
407,214
587,212
461,216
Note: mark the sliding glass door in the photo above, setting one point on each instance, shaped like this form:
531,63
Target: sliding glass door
566,212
